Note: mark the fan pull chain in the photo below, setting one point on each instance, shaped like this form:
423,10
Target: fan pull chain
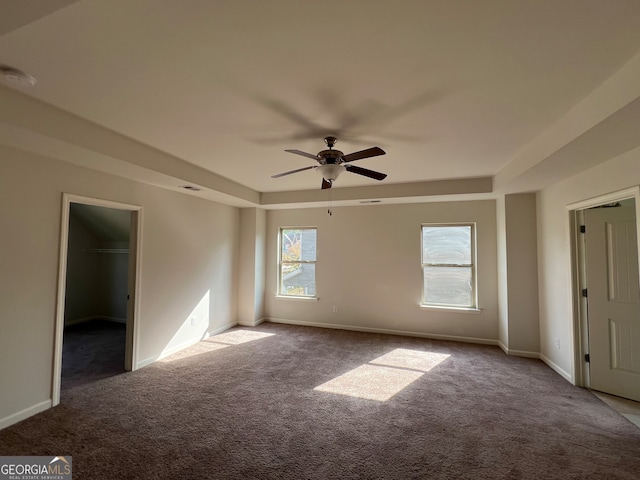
329,203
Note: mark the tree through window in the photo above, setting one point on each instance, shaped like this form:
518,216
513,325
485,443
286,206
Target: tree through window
297,262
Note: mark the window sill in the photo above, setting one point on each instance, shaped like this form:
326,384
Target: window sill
438,308
299,299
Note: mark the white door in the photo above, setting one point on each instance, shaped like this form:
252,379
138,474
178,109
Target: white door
613,300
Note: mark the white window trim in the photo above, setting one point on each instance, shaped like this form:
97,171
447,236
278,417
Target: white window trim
296,298
279,293
473,308
441,308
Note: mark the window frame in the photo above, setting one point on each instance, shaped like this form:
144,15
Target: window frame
472,265
281,262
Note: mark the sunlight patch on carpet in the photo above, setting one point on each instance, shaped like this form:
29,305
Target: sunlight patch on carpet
371,382
412,359
385,376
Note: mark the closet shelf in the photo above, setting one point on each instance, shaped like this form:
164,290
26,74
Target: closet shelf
106,250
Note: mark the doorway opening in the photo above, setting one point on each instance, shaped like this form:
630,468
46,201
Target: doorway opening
606,297
96,328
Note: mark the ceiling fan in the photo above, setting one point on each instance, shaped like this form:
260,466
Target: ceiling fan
334,162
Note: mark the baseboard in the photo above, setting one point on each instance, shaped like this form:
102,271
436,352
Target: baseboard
252,324
405,333
77,321
221,329
171,351
555,367
518,353
24,414
115,319
183,345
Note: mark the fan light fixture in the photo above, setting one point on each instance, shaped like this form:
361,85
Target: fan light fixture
330,171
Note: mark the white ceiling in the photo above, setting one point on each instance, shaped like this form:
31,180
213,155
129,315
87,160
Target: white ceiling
450,89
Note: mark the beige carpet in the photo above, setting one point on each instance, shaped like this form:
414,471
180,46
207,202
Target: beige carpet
287,402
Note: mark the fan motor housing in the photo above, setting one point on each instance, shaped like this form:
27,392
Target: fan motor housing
330,156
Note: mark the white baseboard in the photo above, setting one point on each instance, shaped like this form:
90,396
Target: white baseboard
518,353
555,367
434,336
183,345
221,329
170,351
252,324
24,414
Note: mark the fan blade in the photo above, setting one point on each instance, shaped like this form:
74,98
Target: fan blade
304,154
366,172
293,171
369,152
325,184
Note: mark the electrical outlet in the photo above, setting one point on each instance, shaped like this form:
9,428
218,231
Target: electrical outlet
194,321
335,309
557,343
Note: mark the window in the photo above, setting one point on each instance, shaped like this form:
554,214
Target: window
297,262
448,270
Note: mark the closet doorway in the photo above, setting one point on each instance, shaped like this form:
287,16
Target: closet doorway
97,284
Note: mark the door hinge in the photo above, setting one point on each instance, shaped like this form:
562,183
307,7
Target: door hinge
587,358
583,228
584,292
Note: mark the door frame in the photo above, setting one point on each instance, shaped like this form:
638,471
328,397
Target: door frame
135,250
581,373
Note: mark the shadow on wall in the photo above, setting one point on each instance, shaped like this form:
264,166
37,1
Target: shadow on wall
189,272
194,328
194,303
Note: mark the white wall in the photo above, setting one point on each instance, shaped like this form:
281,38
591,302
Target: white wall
369,268
189,264
554,254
